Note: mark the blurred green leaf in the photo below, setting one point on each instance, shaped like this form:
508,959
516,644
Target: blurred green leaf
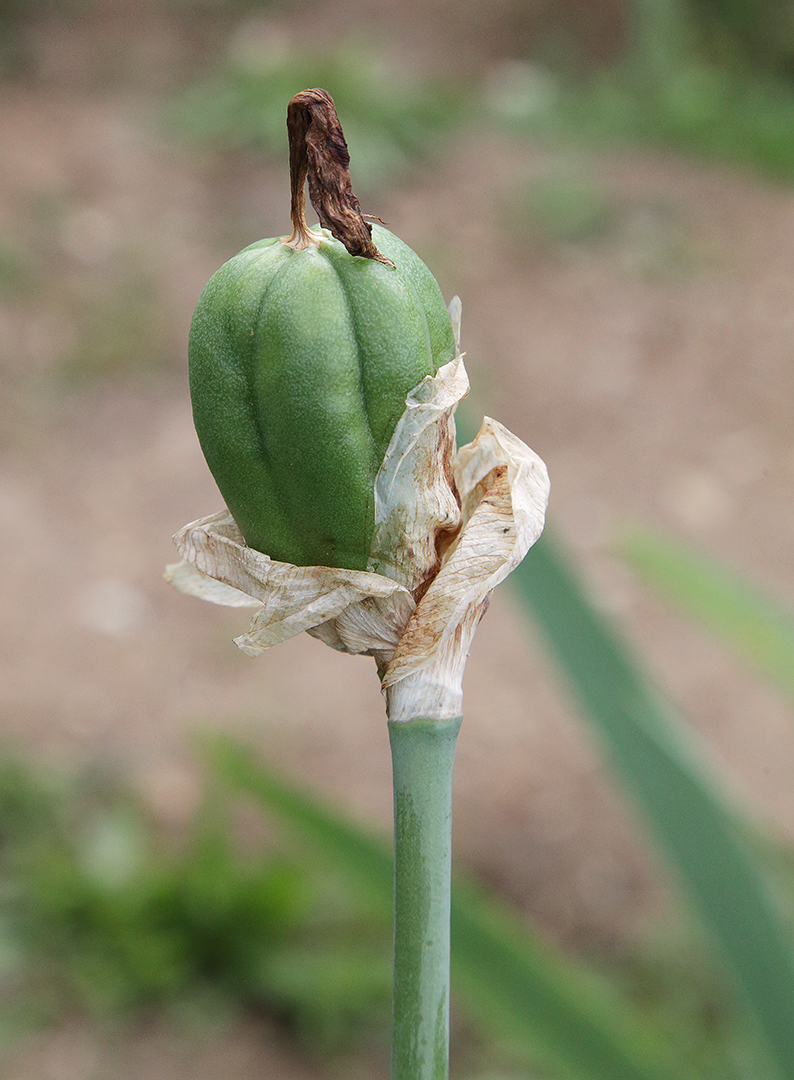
549,1010
696,827
329,985
759,628
100,912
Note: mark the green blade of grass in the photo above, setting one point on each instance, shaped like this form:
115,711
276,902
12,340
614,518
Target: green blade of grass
693,824
551,1011
753,624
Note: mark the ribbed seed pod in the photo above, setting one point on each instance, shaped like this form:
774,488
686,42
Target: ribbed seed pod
300,364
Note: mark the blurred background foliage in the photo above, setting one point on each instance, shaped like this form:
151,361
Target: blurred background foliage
107,911
393,120
104,910
710,77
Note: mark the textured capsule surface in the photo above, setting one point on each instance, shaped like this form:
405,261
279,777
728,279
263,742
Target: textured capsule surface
300,364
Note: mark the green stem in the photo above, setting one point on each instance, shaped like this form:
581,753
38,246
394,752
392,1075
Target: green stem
422,759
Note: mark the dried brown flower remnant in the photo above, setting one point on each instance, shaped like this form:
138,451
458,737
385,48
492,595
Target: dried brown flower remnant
318,152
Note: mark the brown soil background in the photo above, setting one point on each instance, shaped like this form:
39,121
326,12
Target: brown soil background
650,366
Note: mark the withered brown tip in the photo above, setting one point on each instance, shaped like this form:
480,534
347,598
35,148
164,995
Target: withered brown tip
318,152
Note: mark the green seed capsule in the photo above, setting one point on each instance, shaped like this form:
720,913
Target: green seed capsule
300,364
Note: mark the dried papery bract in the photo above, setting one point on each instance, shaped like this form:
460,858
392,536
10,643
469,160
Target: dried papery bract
418,618
504,489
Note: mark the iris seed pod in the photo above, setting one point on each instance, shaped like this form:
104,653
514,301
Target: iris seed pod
302,356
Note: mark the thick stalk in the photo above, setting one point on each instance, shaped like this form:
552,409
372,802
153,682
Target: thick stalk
422,760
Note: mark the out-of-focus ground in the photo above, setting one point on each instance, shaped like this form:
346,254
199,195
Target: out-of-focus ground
650,365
